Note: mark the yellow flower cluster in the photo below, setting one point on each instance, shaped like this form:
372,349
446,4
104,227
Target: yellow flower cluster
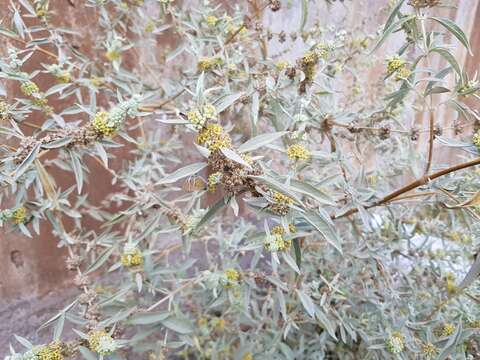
19,215
447,329
213,180
112,55
398,65
29,88
211,20
101,342
101,124
208,63
298,152
131,256
394,63
52,351
198,117
247,356
429,350
450,280
276,242
473,324
231,278
423,3
214,138
403,73
281,65
279,198
476,140
322,50
395,343
279,230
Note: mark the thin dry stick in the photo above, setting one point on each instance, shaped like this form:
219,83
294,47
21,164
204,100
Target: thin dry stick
413,185
430,143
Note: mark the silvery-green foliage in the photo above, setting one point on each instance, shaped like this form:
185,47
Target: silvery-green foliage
272,205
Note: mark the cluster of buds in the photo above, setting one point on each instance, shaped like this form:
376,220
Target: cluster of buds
106,124
476,140
418,4
61,74
444,330
211,20
17,216
214,138
395,343
213,180
131,256
397,65
281,203
276,242
29,88
469,88
429,350
298,152
230,278
199,116
52,351
102,343
208,63
114,49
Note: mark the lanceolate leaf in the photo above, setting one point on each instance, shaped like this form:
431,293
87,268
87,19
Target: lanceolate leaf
181,173
259,141
390,29
324,226
455,30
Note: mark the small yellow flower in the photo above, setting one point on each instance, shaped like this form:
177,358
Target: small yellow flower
214,138
206,63
247,356
131,256
19,215
394,63
112,55
395,343
403,73
281,65
429,350
298,152
149,26
101,342
231,278
96,81
29,88
211,20
276,242
279,198
52,351
101,126
448,329
213,180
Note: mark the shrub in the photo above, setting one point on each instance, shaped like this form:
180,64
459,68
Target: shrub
273,204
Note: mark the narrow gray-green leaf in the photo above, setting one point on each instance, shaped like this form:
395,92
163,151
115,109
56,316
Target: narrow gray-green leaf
77,170
232,155
390,29
455,30
323,225
27,161
226,101
259,141
306,302
181,173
